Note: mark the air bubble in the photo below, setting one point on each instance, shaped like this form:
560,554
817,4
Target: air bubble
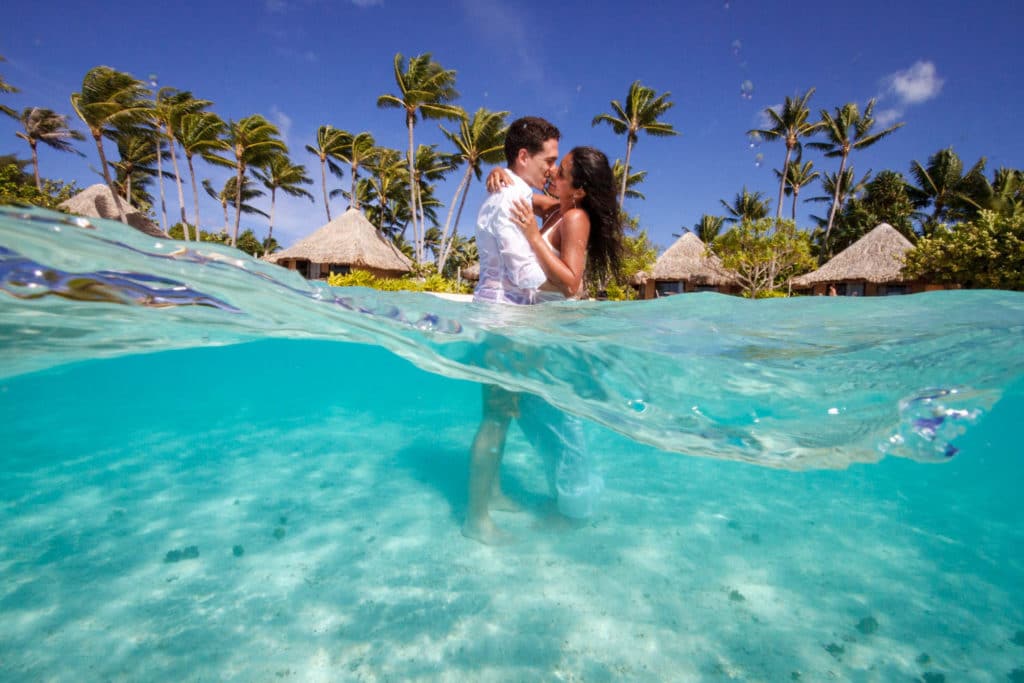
638,405
736,47
758,159
747,90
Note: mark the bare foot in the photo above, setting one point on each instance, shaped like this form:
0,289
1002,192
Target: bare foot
485,531
502,503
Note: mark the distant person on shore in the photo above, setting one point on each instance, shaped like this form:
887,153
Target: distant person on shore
521,265
832,290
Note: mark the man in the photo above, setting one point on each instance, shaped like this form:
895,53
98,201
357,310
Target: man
509,274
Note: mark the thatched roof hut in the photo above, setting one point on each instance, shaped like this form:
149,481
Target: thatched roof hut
349,241
871,265
97,201
472,271
686,266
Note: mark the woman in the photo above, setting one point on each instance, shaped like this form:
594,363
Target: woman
581,237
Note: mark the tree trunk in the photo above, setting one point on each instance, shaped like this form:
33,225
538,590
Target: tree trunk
35,164
177,179
195,194
796,193
835,203
273,197
353,199
625,172
323,182
238,201
782,181
410,121
227,221
160,181
106,176
445,246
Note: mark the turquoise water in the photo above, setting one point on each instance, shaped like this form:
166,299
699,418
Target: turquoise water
269,484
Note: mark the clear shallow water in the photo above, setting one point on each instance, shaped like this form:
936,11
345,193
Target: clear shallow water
339,470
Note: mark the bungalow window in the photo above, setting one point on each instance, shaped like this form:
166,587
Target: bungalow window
850,289
892,290
340,269
669,287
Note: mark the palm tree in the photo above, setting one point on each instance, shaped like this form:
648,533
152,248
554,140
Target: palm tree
944,185
51,129
330,145
388,186
429,165
846,131
640,113
789,124
133,170
253,141
110,100
708,227
279,173
746,206
1007,191
230,195
797,176
170,107
425,88
201,134
357,151
478,140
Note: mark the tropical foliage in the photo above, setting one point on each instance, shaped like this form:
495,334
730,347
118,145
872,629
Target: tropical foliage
987,252
764,254
49,128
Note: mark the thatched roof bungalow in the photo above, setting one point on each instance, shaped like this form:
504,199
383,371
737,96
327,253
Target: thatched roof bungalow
471,272
348,242
97,201
871,266
687,267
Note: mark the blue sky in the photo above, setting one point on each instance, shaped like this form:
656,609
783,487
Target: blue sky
949,70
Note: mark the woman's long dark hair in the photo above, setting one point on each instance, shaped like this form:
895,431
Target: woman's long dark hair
591,172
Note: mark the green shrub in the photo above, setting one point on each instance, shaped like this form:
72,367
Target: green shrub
432,283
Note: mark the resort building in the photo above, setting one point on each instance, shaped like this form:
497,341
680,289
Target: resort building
871,266
348,242
97,201
686,267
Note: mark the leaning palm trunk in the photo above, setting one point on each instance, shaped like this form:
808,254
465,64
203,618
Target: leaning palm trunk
177,180
446,241
35,164
782,182
106,176
195,196
160,182
323,182
238,203
835,202
625,173
796,193
270,229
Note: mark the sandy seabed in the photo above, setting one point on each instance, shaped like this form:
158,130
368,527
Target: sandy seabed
329,549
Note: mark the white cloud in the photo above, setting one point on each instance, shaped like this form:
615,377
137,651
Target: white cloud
282,121
915,85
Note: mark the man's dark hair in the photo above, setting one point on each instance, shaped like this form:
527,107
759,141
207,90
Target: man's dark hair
529,133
